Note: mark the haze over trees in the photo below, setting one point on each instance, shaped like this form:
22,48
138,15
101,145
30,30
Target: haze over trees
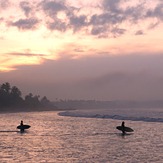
11,98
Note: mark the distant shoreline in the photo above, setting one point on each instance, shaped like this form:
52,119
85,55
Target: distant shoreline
35,110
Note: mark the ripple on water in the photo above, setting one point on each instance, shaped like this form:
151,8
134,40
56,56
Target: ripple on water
70,139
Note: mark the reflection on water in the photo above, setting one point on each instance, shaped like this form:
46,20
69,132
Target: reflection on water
52,138
9,131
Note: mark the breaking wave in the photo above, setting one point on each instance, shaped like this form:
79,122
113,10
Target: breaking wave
110,116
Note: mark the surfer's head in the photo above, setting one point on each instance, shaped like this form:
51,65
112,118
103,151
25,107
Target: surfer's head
123,123
21,122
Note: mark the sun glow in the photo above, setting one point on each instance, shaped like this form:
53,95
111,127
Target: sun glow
77,29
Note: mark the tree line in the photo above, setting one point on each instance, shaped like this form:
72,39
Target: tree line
11,97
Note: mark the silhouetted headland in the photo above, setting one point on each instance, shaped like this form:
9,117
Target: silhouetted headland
11,100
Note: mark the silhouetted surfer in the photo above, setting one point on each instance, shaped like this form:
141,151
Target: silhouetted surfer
123,128
23,127
21,124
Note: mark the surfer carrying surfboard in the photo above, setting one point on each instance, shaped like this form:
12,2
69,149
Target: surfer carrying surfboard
21,124
123,127
23,127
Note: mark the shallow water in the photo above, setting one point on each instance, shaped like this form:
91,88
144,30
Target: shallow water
54,138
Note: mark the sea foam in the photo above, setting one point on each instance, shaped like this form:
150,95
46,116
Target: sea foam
147,115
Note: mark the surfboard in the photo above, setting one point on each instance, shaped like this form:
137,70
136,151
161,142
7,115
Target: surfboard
127,129
23,127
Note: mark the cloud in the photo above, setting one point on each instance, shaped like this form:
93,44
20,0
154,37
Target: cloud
117,31
156,12
111,5
110,78
57,25
106,18
2,38
114,15
77,22
4,4
26,54
139,32
26,24
100,20
26,7
98,30
154,24
135,77
51,8
1,19
74,20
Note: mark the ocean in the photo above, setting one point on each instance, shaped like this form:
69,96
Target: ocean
83,136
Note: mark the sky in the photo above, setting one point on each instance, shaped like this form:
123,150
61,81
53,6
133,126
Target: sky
96,49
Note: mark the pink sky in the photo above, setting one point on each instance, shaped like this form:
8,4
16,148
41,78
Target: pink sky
103,49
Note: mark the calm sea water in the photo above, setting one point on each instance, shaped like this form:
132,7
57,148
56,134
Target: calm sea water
53,138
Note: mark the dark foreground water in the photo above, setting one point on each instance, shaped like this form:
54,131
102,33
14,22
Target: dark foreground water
53,138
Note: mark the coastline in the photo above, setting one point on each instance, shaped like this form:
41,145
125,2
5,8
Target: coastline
25,110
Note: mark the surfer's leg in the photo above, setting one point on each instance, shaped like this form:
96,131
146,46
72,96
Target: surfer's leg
123,132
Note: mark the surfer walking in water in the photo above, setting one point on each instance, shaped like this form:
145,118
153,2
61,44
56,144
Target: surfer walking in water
123,128
22,127
21,124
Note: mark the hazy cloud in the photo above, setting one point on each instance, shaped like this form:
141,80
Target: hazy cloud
98,23
110,78
135,77
1,20
110,19
98,30
26,24
62,16
2,38
74,75
4,4
57,25
156,12
78,22
139,32
26,54
26,7
51,8
111,5
154,25
117,31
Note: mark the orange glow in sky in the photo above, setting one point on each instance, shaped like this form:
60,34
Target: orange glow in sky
104,49
41,30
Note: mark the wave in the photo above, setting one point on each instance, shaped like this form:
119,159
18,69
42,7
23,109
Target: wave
109,116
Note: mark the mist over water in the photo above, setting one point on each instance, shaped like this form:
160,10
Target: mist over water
54,138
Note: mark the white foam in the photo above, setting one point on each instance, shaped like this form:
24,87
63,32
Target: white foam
147,115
